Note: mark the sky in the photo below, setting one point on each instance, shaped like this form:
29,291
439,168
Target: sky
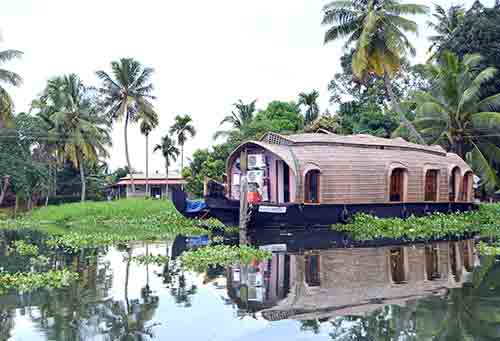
206,55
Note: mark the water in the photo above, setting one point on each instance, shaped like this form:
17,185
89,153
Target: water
307,291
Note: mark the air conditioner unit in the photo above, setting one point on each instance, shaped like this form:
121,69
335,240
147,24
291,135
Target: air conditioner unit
256,161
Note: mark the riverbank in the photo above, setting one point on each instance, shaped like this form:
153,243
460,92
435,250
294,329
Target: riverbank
90,224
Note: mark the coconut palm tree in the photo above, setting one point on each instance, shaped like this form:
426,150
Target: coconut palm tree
238,119
377,30
446,22
181,128
127,95
9,78
169,152
82,131
455,115
148,123
310,101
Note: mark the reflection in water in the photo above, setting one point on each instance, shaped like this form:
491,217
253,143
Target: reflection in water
309,289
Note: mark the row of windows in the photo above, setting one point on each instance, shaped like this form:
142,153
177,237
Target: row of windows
397,186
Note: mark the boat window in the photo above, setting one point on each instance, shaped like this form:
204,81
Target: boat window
432,262
311,190
452,186
397,264
397,185
312,270
464,194
431,184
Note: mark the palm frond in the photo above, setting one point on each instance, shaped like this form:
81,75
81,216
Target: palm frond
8,55
486,121
483,168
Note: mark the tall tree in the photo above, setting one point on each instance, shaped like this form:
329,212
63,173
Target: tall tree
169,152
455,114
127,95
310,101
377,29
239,119
9,78
181,128
148,123
445,24
77,123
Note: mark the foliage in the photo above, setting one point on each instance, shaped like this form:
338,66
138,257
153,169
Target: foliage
445,25
182,127
310,101
168,150
9,78
455,114
478,33
278,117
150,259
30,281
325,122
435,226
221,255
238,119
25,249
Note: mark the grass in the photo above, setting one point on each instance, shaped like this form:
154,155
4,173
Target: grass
90,224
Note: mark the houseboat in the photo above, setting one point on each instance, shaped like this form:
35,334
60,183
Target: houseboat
320,179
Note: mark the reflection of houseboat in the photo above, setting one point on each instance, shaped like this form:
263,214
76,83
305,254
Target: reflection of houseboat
321,179
327,283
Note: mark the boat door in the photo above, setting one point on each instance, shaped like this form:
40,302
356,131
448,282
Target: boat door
282,182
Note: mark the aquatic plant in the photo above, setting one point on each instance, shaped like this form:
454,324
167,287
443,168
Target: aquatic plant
26,282
25,249
150,259
201,259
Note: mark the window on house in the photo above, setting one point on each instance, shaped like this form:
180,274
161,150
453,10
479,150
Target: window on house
452,187
432,262
397,185
431,184
312,270
397,263
311,190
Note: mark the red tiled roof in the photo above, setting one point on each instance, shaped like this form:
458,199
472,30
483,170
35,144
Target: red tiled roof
152,182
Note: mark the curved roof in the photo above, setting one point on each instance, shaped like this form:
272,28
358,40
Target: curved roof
282,151
359,140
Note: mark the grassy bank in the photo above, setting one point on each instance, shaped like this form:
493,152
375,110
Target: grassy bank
486,221
92,224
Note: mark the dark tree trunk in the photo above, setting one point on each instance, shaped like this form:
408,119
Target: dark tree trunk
126,150
82,178
147,167
4,187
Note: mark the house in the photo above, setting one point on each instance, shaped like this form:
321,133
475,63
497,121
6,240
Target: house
317,178
350,281
157,184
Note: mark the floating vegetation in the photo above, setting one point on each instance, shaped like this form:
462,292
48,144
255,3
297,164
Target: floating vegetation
150,259
201,259
486,249
30,281
23,248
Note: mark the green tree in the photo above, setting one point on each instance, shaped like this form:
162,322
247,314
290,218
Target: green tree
278,117
181,128
9,78
77,123
310,101
377,29
455,114
148,123
479,33
239,119
127,95
445,24
169,151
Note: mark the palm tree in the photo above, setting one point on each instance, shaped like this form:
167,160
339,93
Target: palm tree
148,123
181,128
455,115
310,101
9,78
169,152
81,131
238,119
127,95
447,21
377,29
